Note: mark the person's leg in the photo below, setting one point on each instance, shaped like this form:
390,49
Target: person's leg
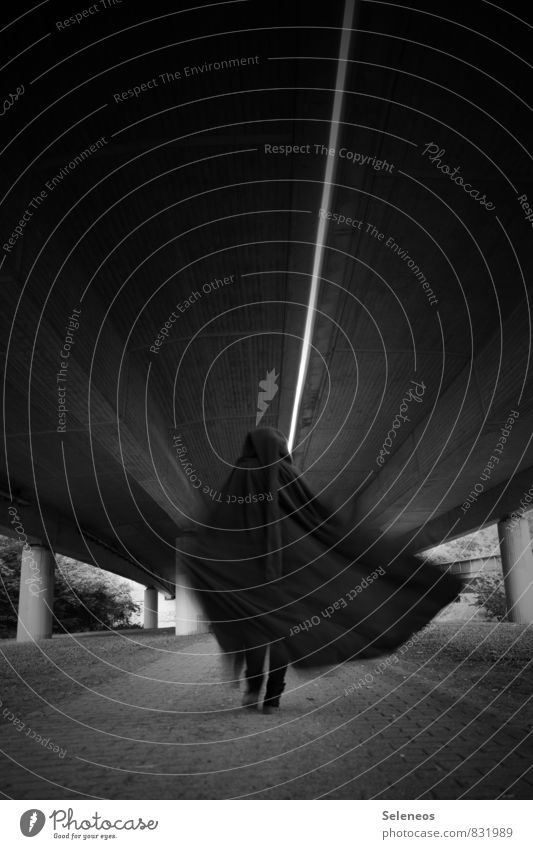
276,677
255,660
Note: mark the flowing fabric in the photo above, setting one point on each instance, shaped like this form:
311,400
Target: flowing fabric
271,564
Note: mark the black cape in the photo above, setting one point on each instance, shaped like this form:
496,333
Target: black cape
271,564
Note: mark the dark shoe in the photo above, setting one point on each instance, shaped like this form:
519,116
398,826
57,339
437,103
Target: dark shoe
251,701
273,692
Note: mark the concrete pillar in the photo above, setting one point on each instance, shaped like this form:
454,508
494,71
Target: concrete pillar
517,565
36,595
150,607
189,616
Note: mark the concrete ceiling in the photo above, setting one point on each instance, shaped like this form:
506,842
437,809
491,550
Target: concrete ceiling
181,193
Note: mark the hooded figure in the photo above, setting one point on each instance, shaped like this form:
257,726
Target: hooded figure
273,566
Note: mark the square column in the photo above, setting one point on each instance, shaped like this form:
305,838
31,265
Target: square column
189,615
36,595
517,564
150,615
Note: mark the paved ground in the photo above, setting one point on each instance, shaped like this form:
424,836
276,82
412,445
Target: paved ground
145,716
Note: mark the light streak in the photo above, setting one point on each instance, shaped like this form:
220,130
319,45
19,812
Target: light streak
322,223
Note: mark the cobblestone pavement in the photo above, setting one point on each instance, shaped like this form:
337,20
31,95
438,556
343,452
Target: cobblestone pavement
150,719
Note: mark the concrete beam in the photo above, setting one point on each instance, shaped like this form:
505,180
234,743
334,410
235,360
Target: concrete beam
36,596
150,608
417,481
64,537
487,510
152,466
189,614
517,565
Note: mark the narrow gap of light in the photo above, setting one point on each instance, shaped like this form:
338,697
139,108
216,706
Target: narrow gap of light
322,223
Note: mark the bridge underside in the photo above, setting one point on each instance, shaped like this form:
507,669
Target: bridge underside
158,278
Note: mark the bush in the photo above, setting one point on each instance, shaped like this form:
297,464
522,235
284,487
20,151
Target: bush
490,594
85,598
